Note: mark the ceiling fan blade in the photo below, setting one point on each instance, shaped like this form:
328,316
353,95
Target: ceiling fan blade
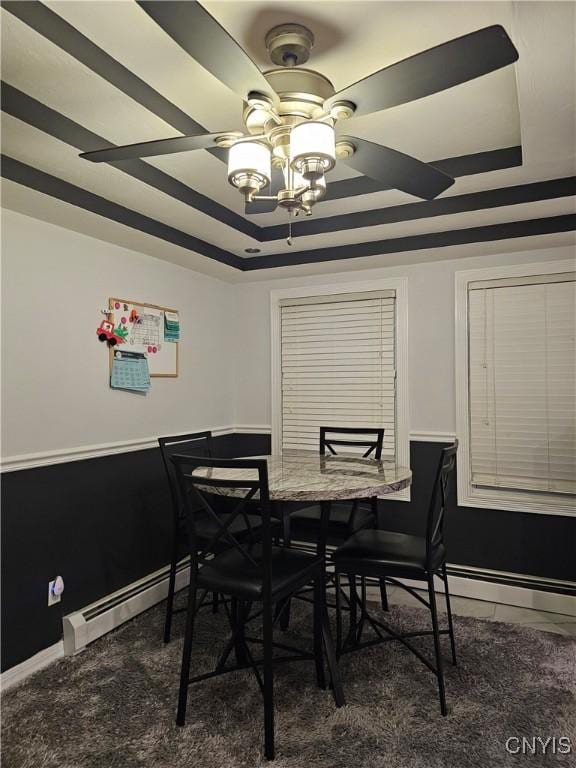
152,148
208,43
268,206
396,169
436,69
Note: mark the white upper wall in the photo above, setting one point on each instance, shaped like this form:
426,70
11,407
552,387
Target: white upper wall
55,375
55,372
431,334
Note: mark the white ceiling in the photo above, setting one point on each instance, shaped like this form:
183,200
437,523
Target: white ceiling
530,103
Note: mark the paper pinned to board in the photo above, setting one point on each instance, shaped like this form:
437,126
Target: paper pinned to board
171,326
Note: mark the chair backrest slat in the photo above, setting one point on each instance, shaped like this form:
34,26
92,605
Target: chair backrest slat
196,443
442,496
361,438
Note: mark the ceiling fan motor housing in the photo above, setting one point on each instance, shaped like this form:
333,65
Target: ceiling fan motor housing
301,93
289,45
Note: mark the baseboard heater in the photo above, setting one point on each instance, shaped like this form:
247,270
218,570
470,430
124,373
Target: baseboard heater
83,627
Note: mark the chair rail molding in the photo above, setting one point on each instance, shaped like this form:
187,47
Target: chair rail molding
79,453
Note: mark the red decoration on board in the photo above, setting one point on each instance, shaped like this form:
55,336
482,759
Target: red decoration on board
105,332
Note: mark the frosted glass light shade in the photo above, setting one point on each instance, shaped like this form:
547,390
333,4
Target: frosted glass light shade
312,148
249,165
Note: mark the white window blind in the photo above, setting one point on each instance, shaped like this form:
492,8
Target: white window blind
522,380
338,366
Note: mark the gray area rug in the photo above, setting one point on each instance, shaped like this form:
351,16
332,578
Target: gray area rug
114,704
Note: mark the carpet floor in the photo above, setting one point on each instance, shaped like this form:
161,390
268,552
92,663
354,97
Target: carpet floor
113,706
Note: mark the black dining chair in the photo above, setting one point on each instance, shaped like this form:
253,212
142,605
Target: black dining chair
395,556
347,517
197,444
251,570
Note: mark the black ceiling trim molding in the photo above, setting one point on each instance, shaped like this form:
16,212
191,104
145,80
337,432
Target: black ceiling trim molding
464,165
56,29
442,206
47,120
62,190
65,36
565,223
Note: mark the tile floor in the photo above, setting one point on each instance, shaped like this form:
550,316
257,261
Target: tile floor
465,606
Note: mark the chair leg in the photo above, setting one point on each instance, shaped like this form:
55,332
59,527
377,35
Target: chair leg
171,587
338,616
437,648
238,621
187,651
215,597
267,636
351,639
318,646
333,667
449,612
384,595
285,607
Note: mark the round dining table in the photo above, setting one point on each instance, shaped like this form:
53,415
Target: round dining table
306,476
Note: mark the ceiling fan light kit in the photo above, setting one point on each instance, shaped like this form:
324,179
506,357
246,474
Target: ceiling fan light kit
292,113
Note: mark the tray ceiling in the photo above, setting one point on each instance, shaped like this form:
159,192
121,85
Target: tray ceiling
83,75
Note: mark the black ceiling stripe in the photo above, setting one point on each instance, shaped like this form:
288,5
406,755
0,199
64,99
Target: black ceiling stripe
43,182
47,120
56,29
565,223
464,165
443,206
67,37
62,190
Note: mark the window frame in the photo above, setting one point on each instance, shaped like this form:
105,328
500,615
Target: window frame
513,500
397,284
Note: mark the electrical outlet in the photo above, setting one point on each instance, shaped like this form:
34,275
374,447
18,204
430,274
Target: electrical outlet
54,596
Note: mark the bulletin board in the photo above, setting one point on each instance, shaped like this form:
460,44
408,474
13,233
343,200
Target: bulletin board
145,327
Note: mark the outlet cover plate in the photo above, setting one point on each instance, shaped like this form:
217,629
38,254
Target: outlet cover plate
52,598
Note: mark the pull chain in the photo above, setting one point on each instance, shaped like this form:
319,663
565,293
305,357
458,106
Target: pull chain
289,238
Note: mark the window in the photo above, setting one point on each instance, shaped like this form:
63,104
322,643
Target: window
340,359
520,367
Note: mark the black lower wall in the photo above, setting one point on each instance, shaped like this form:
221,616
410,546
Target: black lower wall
104,523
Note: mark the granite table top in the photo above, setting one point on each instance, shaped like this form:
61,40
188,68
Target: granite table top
306,476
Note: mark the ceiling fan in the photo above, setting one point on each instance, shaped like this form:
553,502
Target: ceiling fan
296,124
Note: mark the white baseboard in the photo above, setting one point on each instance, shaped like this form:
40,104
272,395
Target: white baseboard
35,663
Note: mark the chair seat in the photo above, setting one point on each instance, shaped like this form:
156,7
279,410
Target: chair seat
230,573
305,523
385,553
